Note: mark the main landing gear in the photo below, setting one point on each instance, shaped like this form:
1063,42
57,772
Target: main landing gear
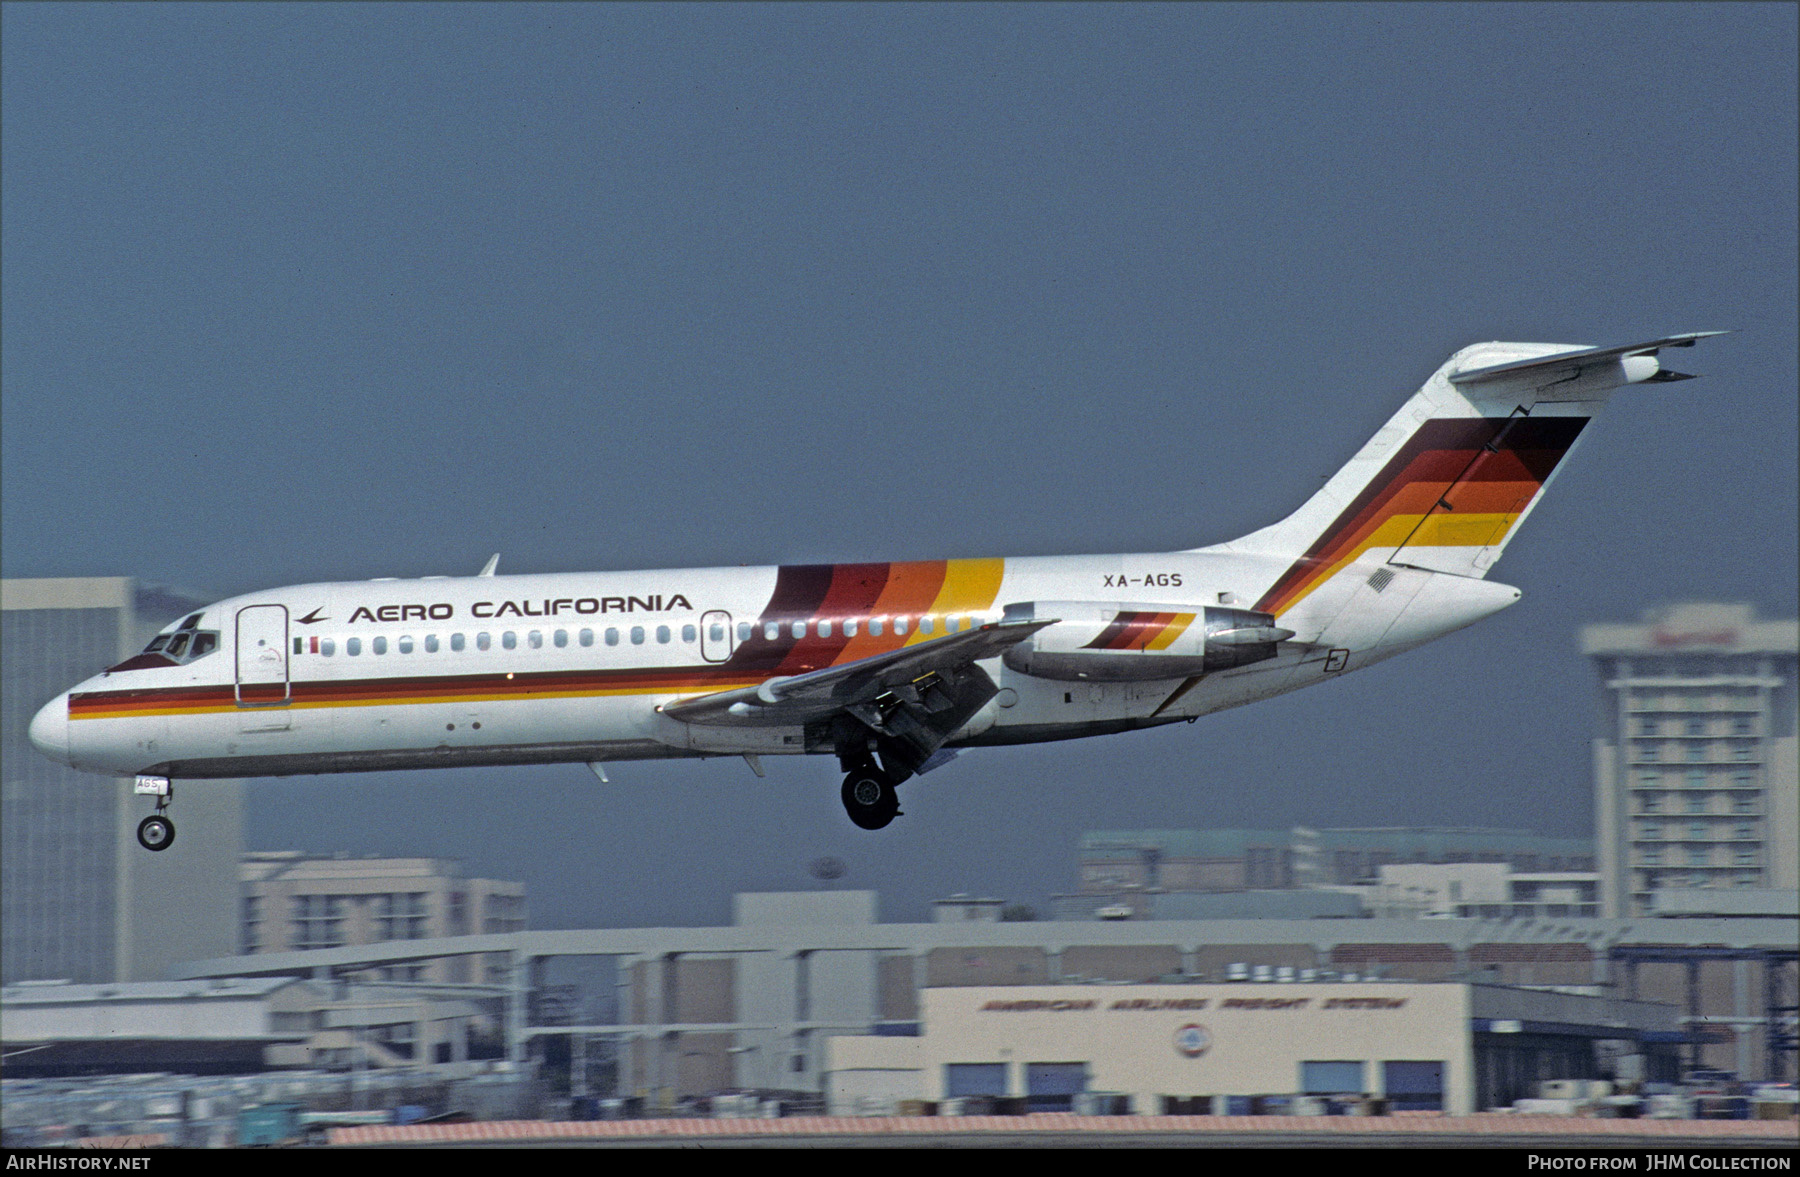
869,797
156,832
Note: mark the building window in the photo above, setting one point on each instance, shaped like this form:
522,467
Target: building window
1743,803
318,921
1696,727
252,924
1697,831
1652,855
1648,752
1698,855
1696,780
1696,803
1696,752
400,917
1652,830
1746,856
1648,727
1652,802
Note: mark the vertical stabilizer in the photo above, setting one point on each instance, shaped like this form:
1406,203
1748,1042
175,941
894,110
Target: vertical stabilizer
1445,483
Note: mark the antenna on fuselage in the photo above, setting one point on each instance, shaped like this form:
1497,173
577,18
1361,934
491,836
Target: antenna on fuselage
488,568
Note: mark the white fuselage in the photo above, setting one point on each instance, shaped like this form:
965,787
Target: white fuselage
573,667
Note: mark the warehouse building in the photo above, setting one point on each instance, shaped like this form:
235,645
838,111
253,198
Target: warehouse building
1239,1049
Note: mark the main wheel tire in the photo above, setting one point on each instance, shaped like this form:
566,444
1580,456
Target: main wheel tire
869,798
156,833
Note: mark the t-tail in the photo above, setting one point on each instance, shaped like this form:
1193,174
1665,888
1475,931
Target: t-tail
1445,484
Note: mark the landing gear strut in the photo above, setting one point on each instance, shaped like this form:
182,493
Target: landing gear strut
156,832
869,797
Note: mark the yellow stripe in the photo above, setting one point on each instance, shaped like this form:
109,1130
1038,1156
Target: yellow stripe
970,586
1172,631
1438,530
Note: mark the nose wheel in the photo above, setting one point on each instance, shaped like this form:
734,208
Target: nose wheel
156,832
869,797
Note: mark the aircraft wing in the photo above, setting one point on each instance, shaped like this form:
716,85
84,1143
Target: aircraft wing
1569,365
920,676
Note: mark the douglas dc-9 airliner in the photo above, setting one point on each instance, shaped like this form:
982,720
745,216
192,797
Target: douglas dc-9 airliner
888,667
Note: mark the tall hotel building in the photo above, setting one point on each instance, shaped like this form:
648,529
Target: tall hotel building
80,900
1695,774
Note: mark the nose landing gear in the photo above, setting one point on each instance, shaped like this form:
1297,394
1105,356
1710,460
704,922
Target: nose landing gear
869,797
156,832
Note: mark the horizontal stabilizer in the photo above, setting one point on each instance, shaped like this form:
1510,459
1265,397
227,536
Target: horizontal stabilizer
1570,365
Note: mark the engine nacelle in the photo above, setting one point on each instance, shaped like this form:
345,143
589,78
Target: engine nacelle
1117,642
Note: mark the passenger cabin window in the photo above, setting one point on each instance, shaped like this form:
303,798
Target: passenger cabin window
612,637
875,627
899,625
690,634
431,643
637,635
509,640
562,639
663,635
798,629
378,646
483,641
850,629
536,639
327,647
715,632
926,625
745,629
353,646
587,637
405,644
457,643
771,630
824,629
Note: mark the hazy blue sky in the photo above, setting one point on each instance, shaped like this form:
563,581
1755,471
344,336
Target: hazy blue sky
309,292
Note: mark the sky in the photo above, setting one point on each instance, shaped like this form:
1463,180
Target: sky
295,293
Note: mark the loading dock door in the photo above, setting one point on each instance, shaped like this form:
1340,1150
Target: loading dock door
1413,1086
1336,1077
1052,1087
965,1079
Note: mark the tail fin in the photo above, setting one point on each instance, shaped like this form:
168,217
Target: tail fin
1444,485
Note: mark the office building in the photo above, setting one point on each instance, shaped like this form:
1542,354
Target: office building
294,901
80,900
1695,771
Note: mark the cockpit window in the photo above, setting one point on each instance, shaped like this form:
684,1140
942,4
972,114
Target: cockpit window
184,645
192,622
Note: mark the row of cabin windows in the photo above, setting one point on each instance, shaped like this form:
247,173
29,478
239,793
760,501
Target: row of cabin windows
638,635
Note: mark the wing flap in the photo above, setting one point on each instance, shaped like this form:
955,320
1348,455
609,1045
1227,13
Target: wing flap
819,694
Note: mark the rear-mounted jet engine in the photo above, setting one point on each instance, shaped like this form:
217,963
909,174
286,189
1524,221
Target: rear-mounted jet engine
1113,642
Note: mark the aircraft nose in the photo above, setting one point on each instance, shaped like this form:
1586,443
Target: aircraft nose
50,729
